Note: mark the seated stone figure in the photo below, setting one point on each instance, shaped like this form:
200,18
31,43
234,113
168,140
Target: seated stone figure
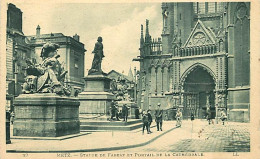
49,74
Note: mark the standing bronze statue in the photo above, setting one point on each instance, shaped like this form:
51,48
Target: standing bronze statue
98,56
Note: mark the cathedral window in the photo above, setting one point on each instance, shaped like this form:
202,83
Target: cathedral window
211,7
207,7
202,8
220,7
195,7
76,65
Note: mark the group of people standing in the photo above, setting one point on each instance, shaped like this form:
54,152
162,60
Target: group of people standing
209,116
116,114
147,119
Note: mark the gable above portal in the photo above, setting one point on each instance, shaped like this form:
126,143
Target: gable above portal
200,35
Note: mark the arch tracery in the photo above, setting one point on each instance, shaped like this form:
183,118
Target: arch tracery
192,68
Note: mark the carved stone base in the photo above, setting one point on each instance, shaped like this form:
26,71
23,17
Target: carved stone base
96,98
95,102
46,115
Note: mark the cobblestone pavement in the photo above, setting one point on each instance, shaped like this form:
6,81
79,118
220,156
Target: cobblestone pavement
201,137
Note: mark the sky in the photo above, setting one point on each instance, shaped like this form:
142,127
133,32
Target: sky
118,23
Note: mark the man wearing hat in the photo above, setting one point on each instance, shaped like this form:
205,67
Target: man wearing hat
158,117
150,120
125,112
114,111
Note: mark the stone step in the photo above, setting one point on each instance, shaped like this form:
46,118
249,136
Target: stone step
110,123
93,117
111,127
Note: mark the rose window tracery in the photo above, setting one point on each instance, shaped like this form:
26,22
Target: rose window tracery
199,38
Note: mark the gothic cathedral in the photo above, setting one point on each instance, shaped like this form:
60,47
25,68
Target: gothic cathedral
202,61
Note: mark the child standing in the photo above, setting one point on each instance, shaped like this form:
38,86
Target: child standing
223,116
145,122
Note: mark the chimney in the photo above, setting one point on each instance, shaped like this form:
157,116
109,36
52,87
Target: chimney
76,37
38,31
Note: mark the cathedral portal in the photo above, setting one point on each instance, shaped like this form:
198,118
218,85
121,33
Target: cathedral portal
198,94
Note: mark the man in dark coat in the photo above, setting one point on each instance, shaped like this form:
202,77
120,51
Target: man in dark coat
158,117
150,120
117,112
137,113
114,111
209,116
125,112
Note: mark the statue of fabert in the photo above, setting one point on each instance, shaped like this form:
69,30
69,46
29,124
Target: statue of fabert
98,56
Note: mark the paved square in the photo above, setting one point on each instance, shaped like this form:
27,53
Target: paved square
231,137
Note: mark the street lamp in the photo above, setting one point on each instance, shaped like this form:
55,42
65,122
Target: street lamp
135,85
7,119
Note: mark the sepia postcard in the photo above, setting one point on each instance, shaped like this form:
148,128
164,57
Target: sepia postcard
130,79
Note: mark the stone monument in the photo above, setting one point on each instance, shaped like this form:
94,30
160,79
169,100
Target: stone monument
96,98
45,109
122,93
97,105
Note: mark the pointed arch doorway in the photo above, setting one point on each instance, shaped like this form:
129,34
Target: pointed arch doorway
198,93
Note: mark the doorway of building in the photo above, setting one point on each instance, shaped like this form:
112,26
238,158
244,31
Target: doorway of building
198,94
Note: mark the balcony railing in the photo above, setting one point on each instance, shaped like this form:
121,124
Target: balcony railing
156,47
196,50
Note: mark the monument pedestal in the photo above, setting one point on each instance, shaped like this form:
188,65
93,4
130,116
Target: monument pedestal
46,115
96,98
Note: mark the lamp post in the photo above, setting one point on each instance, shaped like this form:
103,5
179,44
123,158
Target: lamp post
135,85
15,69
216,113
7,119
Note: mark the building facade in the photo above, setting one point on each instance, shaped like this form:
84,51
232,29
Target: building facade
202,60
18,50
